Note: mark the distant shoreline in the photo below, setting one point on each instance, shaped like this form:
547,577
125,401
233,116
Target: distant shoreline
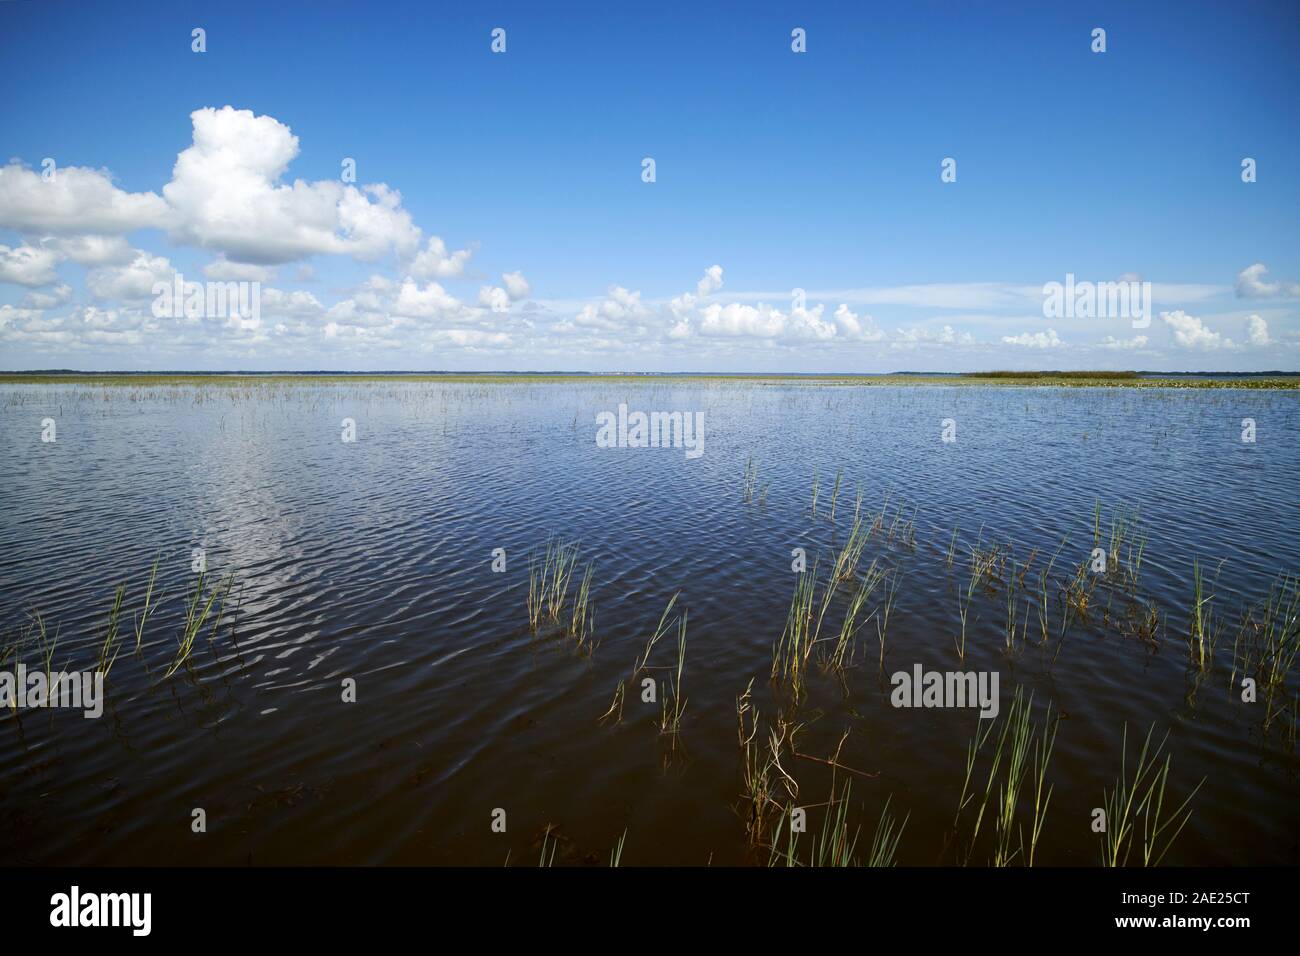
1250,380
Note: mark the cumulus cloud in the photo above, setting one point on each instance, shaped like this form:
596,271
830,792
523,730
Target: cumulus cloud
92,250
498,298
28,265
493,298
854,327
430,302
76,201
710,282
618,308
133,282
1257,331
435,262
57,296
1035,340
735,319
1253,283
1191,333
296,303
225,194
223,270
516,285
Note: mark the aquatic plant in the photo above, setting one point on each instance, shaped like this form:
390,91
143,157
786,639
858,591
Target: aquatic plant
616,854
108,648
835,846
198,609
1141,800
148,603
548,582
581,627
793,649
750,487
671,720
1018,740
835,492
1203,629
884,843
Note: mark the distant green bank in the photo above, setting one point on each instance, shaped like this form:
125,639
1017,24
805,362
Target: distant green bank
1280,380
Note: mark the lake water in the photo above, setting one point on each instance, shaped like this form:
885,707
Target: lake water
372,561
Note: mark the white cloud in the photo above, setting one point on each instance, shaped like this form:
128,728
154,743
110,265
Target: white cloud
1191,333
131,283
1137,342
297,303
710,282
75,202
912,337
92,250
736,319
516,285
1035,340
223,270
854,327
430,302
493,298
619,306
226,195
497,298
28,265
434,262
59,295
1253,283
1257,331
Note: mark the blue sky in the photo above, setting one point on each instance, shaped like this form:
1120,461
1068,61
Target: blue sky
774,171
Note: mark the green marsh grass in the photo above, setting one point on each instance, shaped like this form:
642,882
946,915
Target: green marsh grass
1020,757
835,845
1140,802
641,664
616,854
581,623
884,843
109,647
794,648
548,582
1203,628
671,720
198,610
140,621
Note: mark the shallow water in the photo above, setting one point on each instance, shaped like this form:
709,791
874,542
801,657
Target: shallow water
372,561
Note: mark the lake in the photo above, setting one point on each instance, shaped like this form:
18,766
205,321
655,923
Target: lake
364,683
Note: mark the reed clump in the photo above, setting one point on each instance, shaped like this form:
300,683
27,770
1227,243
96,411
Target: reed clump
1140,802
1017,765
